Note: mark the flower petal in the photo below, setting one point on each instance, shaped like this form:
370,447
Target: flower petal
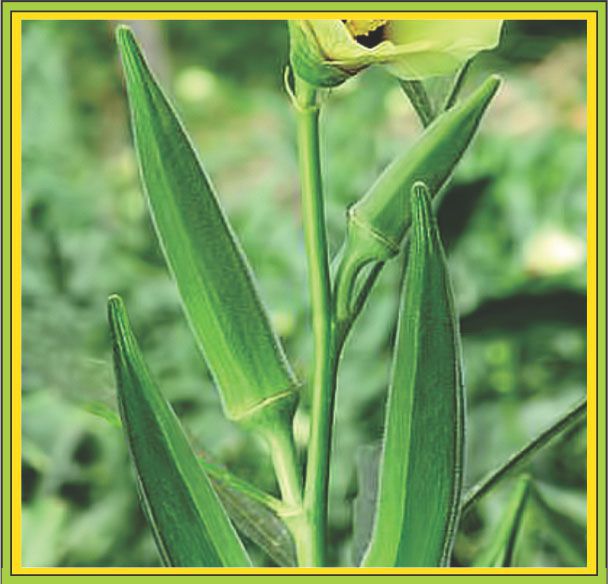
444,46
325,53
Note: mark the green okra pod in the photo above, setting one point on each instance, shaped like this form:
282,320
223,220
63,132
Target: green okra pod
214,279
188,521
377,224
420,480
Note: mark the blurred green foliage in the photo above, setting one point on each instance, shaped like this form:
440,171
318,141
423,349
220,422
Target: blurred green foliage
514,221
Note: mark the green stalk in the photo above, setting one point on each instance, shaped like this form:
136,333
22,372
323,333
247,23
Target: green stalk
564,424
284,460
457,86
323,380
419,99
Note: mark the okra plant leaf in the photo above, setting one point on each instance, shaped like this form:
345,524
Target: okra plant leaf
564,530
255,513
257,522
364,505
188,522
421,465
500,551
214,279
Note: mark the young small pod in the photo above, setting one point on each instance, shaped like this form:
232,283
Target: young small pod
420,479
215,282
377,224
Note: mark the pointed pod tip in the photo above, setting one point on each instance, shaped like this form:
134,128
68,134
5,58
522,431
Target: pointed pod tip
116,311
493,82
423,219
115,302
421,197
122,336
495,78
128,48
419,189
488,88
476,104
124,34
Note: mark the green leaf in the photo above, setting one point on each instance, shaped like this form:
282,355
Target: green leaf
261,525
421,466
255,513
214,280
364,505
221,476
500,551
564,530
43,520
188,522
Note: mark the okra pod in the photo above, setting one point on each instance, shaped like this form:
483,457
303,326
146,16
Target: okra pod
377,224
188,521
215,282
420,480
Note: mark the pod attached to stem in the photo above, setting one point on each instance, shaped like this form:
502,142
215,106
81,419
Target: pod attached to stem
378,223
420,479
215,282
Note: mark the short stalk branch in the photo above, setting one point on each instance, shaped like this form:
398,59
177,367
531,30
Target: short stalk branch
284,460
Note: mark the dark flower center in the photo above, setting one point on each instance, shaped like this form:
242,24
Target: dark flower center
368,33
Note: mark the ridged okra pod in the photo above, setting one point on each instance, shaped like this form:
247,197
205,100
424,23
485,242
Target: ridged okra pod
420,480
206,260
188,521
377,224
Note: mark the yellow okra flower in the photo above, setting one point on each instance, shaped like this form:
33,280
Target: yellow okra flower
327,52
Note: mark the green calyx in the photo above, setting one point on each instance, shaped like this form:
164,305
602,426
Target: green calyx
326,52
308,59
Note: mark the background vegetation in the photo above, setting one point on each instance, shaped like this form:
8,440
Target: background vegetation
513,222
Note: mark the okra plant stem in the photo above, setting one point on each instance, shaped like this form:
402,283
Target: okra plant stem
282,449
419,99
317,468
284,460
